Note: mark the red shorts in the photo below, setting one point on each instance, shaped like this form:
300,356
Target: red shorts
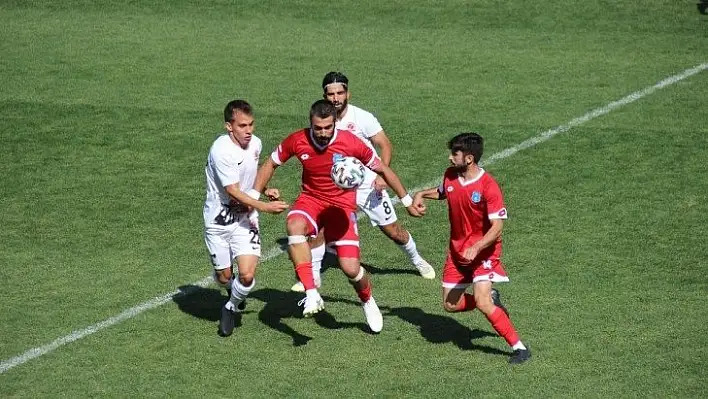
456,275
339,224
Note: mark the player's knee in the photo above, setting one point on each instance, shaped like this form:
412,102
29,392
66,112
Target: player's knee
484,303
355,277
222,277
246,279
296,226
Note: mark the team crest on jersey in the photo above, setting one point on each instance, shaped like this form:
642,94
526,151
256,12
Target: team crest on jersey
351,126
476,197
337,157
449,189
305,157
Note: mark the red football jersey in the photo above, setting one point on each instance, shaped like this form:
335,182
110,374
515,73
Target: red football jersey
317,163
471,205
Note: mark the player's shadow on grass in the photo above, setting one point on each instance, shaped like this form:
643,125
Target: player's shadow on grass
442,329
204,303
280,305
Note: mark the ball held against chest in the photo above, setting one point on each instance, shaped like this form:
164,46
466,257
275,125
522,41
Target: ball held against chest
348,173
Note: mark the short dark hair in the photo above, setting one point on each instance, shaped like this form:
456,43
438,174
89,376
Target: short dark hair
323,109
335,77
236,105
468,143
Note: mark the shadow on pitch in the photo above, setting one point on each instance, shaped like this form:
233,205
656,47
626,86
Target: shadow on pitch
206,303
280,305
200,302
439,329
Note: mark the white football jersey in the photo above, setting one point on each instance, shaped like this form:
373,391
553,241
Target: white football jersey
227,164
360,122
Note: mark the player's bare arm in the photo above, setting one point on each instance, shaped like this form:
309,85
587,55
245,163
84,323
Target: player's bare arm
381,141
265,173
271,207
489,238
420,197
394,182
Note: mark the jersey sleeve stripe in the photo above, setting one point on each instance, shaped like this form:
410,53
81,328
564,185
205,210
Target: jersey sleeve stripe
274,156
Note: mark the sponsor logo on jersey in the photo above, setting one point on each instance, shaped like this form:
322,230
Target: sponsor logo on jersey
305,157
449,189
476,197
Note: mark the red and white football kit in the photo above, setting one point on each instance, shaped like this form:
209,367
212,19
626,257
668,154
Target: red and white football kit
472,204
321,202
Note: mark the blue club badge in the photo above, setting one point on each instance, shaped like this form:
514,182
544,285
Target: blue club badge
476,197
337,157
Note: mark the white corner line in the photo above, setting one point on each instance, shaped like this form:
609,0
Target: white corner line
276,251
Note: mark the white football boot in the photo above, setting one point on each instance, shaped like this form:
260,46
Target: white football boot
373,315
425,270
312,302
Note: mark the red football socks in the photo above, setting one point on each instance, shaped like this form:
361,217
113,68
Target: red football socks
304,274
502,324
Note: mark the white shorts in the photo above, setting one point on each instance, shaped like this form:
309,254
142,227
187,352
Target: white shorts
225,243
376,205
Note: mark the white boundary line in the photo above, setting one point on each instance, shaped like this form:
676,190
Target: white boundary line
276,251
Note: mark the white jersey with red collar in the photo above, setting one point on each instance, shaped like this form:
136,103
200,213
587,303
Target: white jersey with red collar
360,122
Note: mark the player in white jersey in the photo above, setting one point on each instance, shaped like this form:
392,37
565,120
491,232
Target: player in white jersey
372,197
230,214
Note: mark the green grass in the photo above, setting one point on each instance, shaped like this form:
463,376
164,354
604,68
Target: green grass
108,110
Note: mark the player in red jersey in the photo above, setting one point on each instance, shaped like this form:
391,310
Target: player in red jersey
323,205
476,211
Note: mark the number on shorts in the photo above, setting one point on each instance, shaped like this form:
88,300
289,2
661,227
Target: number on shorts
387,208
255,238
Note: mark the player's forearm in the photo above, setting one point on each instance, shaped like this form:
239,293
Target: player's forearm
394,182
265,173
492,235
431,193
241,197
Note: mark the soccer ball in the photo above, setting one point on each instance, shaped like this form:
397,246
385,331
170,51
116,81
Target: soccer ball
348,173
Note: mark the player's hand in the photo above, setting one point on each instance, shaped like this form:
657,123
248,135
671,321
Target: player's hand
419,203
413,211
471,253
273,194
274,207
380,184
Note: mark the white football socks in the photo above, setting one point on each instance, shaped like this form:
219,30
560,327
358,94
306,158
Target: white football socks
411,250
239,292
318,254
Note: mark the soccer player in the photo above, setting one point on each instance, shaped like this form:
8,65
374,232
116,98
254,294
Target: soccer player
476,211
323,205
371,197
230,215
